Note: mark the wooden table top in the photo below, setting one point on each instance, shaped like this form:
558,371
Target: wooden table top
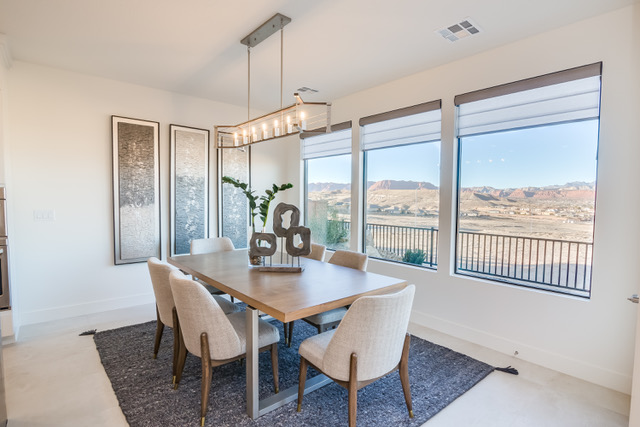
286,296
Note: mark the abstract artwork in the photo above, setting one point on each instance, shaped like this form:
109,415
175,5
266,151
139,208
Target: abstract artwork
136,195
189,187
234,162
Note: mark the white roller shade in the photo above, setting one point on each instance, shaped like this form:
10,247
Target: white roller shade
554,103
415,128
327,144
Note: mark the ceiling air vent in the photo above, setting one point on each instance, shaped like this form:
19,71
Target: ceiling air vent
459,31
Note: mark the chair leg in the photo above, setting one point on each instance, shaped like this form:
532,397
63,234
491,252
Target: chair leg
182,356
176,344
291,332
301,381
274,366
159,330
404,374
353,390
206,376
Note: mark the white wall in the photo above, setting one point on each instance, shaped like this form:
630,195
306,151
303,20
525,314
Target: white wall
276,162
60,142
591,339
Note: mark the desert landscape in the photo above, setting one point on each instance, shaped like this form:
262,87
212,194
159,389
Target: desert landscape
559,212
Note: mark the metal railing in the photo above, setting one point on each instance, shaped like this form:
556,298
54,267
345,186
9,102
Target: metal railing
397,240
554,263
393,241
562,265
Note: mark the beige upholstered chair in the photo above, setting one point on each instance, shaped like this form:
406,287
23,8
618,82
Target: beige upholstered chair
216,338
208,246
165,307
330,319
213,244
370,342
317,253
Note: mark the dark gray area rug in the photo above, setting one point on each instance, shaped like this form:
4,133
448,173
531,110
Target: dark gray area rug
142,384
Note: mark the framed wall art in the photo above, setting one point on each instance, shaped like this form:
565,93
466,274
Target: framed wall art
189,187
234,206
136,191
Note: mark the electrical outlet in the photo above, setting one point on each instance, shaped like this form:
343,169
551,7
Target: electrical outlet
44,215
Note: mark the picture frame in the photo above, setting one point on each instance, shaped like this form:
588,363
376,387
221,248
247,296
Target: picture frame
236,221
136,189
189,186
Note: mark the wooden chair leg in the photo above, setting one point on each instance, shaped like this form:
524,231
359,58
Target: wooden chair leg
301,381
404,374
206,376
353,390
159,330
176,344
274,366
291,332
182,356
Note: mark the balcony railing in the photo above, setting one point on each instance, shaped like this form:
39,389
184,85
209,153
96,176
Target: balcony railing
559,265
396,241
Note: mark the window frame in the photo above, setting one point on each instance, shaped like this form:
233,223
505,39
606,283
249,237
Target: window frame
590,70
343,126
435,105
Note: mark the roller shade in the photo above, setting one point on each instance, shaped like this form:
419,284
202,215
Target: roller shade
407,129
534,102
326,144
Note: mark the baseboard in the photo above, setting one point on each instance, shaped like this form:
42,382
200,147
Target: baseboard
557,362
64,312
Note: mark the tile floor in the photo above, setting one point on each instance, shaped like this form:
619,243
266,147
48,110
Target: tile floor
54,377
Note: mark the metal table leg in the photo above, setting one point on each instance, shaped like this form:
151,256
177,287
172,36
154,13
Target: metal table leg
252,363
255,406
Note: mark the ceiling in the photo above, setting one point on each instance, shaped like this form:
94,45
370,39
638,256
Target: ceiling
338,47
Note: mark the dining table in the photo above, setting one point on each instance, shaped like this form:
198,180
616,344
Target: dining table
319,287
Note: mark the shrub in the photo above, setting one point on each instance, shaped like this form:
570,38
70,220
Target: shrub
414,257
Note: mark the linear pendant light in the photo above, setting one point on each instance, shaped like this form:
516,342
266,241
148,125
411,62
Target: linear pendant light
286,121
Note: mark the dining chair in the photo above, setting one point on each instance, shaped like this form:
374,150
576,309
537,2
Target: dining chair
208,246
165,307
330,319
216,338
317,253
370,343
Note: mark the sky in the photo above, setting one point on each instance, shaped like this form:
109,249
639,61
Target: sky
535,157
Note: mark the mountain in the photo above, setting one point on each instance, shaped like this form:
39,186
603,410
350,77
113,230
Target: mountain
389,184
570,190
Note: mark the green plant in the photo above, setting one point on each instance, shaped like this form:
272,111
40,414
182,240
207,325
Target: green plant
336,233
414,257
263,208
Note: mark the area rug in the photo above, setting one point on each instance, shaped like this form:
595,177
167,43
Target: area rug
143,387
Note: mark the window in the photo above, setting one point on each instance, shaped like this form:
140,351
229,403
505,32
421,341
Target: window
327,158
402,158
527,178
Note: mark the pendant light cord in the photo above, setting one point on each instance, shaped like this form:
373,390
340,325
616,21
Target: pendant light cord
248,83
281,61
